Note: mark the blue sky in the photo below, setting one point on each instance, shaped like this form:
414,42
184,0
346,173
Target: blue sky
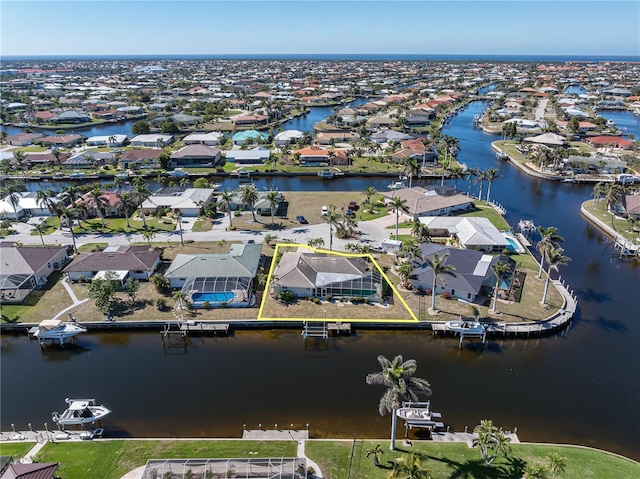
539,27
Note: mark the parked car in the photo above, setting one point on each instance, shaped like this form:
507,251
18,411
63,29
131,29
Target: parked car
302,220
325,211
353,206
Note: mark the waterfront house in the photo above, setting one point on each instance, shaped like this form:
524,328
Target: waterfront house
436,201
71,116
251,120
551,140
137,262
36,470
112,141
188,202
186,119
196,155
287,137
66,141
23,139
212,138
145,158
217,278
255,156
473,274
616,142
249,136
332,137
24,268
46,158
152,140
472,233
318,275
598,164
631,205
109,206
313,156
89,159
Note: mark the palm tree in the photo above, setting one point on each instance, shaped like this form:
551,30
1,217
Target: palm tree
480,178
180,296
368,192
491,440
548,237
376,452
598,190
12,191
397,377
45,198
126,203
409,467
70,194
69,214
249,197
412,168
611,198
40,228
273,197
490,175
225,200
398,205
148,234
472,177
555,259
534,471
556,463
333,219
439,268
141,194
500,269
99,201
425,142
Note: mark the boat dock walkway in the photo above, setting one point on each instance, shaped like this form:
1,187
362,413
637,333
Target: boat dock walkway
559,320
276,434
204,327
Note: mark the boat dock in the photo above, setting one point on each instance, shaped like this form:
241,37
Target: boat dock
275,434
204,328
339,328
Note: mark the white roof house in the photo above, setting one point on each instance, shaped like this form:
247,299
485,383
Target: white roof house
211,138
27,205
189,201
113,140
287,136
152,140
473,233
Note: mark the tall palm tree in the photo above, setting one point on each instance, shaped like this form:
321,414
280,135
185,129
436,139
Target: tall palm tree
556,463
425,142
548,237
333,220
472,177
13,190
398,205
598,190
490,175
368,192
40,228
126,204
273,197
142,193
44,198
409,467
225,200
69,214
491,441
411,168
481,178
501,270
397,377
70,194
249,197
555,259
180,296
99,202
612,195
440,268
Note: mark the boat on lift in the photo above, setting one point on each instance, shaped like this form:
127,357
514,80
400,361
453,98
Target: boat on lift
526,226
80,412
466,327
56,330
419,414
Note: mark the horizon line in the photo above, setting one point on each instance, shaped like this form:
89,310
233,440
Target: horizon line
65,55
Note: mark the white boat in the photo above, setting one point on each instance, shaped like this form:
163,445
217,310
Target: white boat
397,185
80,412
56,330
179,172
326,174
76,175
501,155
611,123
415,415
526,226
466,327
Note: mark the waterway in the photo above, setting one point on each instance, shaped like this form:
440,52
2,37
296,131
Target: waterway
624,120
577,387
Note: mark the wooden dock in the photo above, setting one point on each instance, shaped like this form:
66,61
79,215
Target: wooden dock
339,328
205,328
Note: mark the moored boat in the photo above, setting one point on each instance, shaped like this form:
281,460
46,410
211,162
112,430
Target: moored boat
466,327
526,226
56,330
80,412
326,174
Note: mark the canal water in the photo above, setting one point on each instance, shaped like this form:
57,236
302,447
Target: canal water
577,387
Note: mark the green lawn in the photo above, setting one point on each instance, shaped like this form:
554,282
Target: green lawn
119,225
112,459
456,460
621,225
17,450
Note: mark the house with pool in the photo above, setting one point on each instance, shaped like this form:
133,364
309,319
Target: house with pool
217,279
320,275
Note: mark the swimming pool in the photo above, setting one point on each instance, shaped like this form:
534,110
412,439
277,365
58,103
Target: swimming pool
217,297
513,244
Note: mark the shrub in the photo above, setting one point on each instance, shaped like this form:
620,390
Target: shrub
206,305
317,300
328,297
285,296
237,213
161,304
232,228
446,295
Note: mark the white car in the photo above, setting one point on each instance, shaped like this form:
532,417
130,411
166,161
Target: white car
325,211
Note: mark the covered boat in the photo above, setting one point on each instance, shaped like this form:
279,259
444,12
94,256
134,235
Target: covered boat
56,330
80,412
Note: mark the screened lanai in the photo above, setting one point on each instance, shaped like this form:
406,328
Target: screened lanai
215,290
258,468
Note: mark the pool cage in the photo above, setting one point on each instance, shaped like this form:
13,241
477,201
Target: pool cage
218,291
258,468
367,286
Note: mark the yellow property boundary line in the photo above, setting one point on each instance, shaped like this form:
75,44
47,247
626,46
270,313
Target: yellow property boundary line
265,294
